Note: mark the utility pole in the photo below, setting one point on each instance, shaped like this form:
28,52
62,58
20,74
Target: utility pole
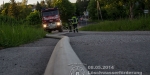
3,4
99,10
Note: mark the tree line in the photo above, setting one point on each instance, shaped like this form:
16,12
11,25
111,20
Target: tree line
105,9
22,11
117,9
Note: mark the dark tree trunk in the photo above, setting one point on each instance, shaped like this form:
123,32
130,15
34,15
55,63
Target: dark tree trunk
131,11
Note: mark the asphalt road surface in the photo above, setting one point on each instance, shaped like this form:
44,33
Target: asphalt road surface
28,59
100,51
113,51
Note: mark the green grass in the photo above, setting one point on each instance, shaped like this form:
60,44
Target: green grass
142,24
16,35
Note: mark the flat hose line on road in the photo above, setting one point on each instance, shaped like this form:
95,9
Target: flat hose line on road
64,60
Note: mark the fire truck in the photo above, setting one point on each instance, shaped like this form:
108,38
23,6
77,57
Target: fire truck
51,20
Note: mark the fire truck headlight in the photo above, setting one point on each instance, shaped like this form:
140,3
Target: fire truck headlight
58,23
44,25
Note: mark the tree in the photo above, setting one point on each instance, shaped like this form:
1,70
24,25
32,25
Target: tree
13,9
24,2
116,9
54,2
92,9
24,11
66,9
43,4
131,4
81,6
5,9
34,18
119,8
49,3
38,6
135,7
146,3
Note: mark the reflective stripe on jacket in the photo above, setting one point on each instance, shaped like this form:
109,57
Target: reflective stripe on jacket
74,20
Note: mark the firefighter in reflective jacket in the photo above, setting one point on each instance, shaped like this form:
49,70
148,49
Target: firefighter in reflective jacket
75,23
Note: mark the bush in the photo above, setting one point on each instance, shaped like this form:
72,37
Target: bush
34,18
16,32
7,20
142,24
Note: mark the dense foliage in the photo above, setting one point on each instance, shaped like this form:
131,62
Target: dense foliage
66,9
116,9
81,6
92,9
34,18
15,24
142,24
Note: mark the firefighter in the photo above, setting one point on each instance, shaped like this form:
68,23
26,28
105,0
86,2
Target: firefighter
75,23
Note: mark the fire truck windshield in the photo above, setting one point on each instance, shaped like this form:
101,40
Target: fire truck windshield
50,13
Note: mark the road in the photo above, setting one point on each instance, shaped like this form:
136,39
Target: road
28,59
124,51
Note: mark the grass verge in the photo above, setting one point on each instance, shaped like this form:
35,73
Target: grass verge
142,24
16,35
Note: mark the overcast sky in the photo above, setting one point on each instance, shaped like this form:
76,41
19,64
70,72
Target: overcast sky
29,1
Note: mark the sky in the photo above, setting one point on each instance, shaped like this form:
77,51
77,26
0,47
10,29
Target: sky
29,1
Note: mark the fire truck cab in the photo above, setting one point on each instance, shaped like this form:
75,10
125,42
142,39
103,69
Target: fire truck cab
51,20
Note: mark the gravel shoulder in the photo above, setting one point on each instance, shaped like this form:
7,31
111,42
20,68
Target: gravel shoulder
28,59
126,51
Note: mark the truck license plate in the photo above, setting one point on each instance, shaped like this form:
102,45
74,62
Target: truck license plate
51,25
